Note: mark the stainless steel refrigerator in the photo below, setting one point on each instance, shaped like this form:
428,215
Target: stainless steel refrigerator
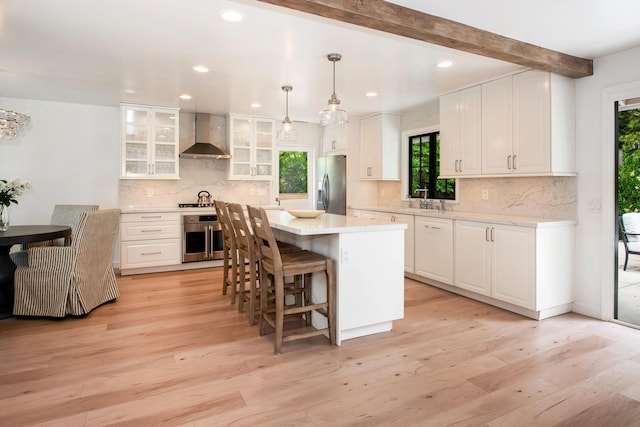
332,184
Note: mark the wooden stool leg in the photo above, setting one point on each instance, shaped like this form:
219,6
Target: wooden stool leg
234,277
264,297
307,291
253,293
279,316
242,278
331,308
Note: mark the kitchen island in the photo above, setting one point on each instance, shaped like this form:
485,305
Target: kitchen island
369,267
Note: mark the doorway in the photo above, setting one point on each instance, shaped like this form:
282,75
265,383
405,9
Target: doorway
627,206
295,169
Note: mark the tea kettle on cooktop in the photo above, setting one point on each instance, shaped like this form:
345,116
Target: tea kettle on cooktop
205,198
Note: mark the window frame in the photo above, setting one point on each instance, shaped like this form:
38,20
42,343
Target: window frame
406,137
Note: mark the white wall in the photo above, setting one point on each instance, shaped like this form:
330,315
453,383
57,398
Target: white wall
69,152
617,73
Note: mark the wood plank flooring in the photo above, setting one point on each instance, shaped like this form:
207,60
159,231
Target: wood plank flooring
173,351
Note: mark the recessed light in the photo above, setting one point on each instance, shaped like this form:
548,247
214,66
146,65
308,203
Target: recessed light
201,69
256,105
371,94
185,96
445,64
129,91
230,15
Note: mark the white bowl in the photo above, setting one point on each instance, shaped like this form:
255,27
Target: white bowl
306,213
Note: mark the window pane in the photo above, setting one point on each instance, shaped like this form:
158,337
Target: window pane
424,168
293,172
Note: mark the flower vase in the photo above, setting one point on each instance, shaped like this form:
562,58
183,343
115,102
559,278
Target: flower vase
4,218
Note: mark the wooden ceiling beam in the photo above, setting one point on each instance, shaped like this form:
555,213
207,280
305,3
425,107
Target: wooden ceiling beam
402,21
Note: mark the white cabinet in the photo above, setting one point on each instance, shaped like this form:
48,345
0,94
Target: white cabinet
409,249
380,147
150,240
461,132
497,261
497,147
150,142
434,248
543,124
251,142
334,139
527,127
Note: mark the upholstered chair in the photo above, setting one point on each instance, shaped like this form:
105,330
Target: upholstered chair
61,280
62,215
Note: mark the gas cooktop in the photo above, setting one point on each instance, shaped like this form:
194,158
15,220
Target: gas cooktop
195,205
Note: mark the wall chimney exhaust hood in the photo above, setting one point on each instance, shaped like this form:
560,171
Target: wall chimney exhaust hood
203,148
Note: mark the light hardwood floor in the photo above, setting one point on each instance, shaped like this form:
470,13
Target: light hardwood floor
173,351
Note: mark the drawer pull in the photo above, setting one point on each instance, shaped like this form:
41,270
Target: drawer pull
152,253
151,216
155,230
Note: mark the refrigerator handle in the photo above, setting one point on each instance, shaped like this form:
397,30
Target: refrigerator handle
325,191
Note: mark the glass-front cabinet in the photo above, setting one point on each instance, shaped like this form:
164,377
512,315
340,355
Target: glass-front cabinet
251,141
150,142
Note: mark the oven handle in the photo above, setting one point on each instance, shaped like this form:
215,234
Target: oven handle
207,241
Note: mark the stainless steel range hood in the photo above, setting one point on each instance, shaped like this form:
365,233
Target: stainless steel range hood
203,148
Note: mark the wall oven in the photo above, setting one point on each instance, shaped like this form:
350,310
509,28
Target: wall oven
201,238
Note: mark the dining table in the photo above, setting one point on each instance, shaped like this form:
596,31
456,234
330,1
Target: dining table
20,234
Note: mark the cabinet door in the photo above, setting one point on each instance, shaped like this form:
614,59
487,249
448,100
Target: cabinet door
165,143
371,147
497,155
434,248
136,145
514,265
263,148
473,257
408,235
334,139
240,137
470,139
449,134
531,122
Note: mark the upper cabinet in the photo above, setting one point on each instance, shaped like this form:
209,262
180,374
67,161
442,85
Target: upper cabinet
380,147
527,127
334,140
251,142
150,143
460,132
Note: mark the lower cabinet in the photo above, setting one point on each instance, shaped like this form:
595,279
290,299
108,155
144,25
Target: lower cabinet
434,248
149,240
497,261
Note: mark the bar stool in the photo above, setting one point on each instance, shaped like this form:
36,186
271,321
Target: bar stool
230,276
247,255
274,267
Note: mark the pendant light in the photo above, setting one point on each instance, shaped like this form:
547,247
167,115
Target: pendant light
287,132
333,114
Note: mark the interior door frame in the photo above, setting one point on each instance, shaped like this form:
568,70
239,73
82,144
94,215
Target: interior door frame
311,170
608,226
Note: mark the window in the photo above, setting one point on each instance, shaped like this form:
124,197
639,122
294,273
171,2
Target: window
293,175
424,168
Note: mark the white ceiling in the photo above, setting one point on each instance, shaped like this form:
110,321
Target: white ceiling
98,52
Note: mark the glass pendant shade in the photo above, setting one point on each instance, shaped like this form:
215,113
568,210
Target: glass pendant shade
287,131
333,114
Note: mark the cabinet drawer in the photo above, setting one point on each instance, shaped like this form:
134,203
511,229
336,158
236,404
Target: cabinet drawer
150,216
149,231
138,254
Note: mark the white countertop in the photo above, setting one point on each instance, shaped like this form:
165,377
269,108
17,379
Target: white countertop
522,221
159,209
327,224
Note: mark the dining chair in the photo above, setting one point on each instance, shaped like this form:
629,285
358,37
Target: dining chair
61,280
275,266
68,215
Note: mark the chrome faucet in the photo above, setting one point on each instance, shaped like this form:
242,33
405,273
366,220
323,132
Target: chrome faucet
425,203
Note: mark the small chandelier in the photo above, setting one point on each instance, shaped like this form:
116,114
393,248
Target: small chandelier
333,114
11,123
287,132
